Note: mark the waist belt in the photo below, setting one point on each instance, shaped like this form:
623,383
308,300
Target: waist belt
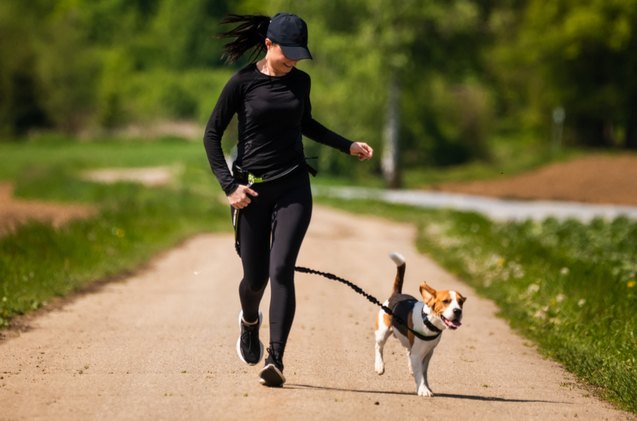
246,177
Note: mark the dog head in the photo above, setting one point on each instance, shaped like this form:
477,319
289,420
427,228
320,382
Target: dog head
445,304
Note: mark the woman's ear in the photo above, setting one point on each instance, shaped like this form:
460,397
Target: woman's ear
268,43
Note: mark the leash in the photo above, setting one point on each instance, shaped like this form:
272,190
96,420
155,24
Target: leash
356,288
372,300
251,179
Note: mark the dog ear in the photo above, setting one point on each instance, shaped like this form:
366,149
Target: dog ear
461,298
428,293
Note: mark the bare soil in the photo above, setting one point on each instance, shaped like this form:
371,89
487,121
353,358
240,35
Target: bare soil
161,345
14,212
600,178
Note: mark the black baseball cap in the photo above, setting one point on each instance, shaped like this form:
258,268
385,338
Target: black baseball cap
290,32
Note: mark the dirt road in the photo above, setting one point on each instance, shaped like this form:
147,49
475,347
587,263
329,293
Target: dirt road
160,345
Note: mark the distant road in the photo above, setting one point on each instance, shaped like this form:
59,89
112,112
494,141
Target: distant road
496,209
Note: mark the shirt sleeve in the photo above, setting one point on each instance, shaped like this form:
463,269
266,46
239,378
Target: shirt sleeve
221,116
319,133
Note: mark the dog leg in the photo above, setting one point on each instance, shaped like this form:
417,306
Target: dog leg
425,370
382,334
417,365
409,365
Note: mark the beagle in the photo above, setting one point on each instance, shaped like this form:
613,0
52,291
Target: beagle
418,325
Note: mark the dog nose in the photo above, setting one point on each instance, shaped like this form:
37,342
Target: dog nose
457,312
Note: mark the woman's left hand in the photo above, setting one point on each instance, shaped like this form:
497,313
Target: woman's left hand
362,150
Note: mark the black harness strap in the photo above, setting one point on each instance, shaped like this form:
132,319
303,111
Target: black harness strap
431,326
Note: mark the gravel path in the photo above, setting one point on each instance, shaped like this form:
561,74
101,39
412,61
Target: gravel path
160,345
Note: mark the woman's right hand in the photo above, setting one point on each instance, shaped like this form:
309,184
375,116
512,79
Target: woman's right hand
240,198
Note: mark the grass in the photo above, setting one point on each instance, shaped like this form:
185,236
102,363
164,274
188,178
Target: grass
134,223
568,286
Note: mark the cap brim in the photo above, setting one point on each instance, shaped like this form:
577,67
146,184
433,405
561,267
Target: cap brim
296,53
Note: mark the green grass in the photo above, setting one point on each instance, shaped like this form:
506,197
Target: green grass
570,287
133,223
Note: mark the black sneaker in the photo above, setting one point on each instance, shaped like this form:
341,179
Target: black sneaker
249,347
272,373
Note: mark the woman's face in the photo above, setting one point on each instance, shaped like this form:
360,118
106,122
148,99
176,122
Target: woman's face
277,60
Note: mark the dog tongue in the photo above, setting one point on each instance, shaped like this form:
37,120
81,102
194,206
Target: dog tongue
453,324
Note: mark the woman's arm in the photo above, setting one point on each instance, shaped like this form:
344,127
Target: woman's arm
226,107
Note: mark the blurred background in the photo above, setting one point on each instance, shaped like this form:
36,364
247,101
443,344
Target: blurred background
103,105
431,83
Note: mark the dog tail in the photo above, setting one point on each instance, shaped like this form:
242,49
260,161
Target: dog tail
400,271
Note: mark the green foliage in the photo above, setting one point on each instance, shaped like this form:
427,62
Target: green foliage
21,99
165,94
467,70
578,55
74,63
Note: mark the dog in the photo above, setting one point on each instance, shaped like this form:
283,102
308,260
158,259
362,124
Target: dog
418,325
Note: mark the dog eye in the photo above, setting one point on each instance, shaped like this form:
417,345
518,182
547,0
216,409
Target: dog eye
447,301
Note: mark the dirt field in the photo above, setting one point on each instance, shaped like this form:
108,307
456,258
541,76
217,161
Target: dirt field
593,179
14,212
161,344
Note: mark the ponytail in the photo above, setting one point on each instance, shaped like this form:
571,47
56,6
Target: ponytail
248,35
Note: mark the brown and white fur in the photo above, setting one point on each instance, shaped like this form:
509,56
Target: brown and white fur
443,309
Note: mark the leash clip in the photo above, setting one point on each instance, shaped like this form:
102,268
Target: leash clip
253,179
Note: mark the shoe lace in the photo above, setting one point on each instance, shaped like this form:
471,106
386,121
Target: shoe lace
276,357
248,336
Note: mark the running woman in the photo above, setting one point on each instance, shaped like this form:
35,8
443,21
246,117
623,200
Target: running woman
268,188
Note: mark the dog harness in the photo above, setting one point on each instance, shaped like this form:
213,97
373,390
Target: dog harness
402,305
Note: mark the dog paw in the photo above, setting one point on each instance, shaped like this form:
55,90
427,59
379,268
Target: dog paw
423,391
380,368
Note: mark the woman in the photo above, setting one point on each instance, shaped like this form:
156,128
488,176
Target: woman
269,188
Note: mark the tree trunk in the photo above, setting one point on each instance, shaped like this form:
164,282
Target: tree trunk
631,137
631,129
591,132
390,159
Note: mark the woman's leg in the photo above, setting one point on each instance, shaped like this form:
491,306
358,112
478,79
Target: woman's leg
254,237
291,219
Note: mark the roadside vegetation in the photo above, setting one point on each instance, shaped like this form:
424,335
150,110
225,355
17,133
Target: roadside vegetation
134,223
570,287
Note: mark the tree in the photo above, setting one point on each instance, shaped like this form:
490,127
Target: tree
581,56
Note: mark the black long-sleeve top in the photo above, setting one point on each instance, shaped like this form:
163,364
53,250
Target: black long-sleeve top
273,114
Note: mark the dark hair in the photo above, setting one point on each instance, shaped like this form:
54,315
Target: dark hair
249,34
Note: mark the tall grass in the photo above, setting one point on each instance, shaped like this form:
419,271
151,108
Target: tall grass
570,287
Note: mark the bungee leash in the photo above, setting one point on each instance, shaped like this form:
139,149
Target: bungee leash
250,179
372,300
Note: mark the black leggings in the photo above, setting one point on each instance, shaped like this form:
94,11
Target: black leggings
271,230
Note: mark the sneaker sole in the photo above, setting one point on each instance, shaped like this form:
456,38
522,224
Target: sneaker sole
271,376
239,342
